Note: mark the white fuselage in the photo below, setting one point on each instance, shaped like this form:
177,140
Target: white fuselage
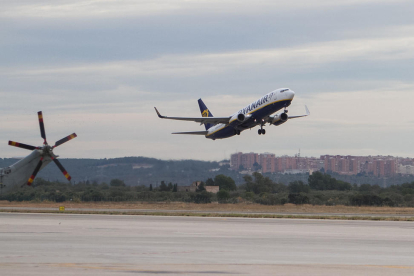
256,112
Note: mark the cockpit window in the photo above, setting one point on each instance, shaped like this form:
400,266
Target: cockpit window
283,90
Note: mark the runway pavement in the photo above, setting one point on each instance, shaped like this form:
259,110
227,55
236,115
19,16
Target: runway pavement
63,244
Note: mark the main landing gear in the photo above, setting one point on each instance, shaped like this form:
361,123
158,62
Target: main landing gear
236,132
261,130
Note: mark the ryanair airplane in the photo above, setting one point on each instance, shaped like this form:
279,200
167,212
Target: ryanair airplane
258,113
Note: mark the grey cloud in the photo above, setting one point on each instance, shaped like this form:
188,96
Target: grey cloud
107,39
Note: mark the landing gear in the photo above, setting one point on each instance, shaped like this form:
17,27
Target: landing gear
236,132
286,111
261,130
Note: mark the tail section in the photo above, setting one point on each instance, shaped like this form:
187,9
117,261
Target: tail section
205,112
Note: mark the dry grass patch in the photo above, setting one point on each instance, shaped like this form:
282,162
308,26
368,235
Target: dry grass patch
215,207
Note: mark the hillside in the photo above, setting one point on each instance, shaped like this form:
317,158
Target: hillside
133,170
144,171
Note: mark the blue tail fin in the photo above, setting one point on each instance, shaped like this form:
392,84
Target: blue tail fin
205,112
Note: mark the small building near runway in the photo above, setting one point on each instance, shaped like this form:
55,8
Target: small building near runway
194,186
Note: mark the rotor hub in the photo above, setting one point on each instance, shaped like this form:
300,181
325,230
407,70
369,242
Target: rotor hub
48,150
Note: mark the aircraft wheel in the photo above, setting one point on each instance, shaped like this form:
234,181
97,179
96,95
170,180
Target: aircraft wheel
259,131
238,132
263,131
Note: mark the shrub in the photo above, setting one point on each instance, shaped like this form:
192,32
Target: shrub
203,197
223,196
298,198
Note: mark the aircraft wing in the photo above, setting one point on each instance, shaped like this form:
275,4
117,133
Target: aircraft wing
193,132
201,120
299,116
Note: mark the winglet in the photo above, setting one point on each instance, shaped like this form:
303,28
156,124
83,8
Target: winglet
158,113
307,110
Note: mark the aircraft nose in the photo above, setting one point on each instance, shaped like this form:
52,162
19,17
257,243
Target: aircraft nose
291,94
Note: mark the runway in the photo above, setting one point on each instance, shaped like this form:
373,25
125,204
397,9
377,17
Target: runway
51,244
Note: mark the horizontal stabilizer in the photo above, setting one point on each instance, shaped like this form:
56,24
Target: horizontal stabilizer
193,132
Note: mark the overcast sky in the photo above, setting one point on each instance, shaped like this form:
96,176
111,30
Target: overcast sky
99,67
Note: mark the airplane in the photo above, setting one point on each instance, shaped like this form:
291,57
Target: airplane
258,113
25,170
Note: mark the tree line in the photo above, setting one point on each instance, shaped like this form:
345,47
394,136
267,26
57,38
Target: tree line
322,189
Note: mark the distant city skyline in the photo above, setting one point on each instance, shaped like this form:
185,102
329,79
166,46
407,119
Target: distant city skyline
380,166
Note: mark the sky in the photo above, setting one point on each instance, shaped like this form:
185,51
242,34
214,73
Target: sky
99,67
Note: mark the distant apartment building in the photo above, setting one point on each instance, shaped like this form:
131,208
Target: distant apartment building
269,163
381,166
235,161
406,161
348,165
406,169
286,163
249,159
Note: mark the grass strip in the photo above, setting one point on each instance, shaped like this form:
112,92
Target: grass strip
218,215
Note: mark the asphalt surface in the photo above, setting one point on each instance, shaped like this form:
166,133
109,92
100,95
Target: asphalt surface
63,244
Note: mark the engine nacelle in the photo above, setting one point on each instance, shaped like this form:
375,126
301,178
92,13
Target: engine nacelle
239,118
278,119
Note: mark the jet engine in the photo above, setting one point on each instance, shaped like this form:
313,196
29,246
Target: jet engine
240,118
278,119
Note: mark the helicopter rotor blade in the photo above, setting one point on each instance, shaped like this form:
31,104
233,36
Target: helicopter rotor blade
64,140
21,145
42,126
39,165
62,169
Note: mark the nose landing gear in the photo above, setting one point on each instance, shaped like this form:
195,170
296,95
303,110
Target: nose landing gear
286,111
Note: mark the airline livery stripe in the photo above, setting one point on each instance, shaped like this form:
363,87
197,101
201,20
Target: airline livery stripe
261,108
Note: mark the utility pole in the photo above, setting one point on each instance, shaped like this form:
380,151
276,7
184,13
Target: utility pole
1,187
1,182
